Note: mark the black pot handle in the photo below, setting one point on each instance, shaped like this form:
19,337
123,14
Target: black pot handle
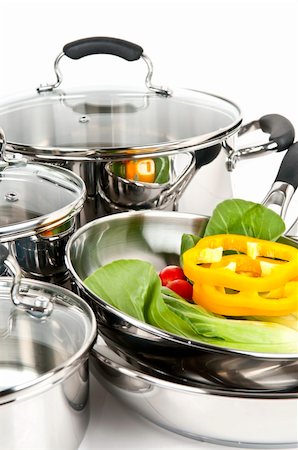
103,45
288,171
280,130
285,183
281,136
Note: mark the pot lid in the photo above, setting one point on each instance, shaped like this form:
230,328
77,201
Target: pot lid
107,123
38,343
36,197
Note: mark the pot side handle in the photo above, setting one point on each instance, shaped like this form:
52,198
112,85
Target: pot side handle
281,136
280,129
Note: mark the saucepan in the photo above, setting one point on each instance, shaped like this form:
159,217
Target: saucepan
39,207
83,129
155,236
46,334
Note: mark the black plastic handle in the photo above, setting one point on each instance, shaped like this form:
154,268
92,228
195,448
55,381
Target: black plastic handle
3,254
103,45
280,129
288,171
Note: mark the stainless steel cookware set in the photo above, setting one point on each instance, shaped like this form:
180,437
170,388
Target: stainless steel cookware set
64,212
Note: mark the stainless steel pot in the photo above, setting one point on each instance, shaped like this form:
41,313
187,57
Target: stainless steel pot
46,333
203,412
84,129
155,236
39,205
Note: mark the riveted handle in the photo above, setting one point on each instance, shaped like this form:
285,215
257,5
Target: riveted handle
103,45
281,137
280,129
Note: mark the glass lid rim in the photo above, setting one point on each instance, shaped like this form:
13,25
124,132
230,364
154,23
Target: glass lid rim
59,152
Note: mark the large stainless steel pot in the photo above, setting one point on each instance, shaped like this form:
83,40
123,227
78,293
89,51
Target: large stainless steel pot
85,129
200,411
46,333
39,205
155,236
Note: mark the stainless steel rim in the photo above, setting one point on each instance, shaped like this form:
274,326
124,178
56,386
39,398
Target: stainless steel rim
127,370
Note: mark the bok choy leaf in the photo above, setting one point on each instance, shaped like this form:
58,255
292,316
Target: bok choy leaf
134,287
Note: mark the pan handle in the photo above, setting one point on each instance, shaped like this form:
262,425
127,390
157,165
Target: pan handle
104,45
281,136
285,183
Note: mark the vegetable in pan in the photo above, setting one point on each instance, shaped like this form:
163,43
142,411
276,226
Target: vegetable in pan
245,288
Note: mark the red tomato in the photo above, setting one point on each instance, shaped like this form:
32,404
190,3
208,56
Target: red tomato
170,273
182,288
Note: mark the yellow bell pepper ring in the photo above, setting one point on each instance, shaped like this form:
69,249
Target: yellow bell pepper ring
247,303
197,263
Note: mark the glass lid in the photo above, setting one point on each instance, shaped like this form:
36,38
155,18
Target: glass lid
36,197
116,123
108,123
37,344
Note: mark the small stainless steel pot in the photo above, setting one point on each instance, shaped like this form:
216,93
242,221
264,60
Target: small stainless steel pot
83,129
155,236
206,413
39,205
46,333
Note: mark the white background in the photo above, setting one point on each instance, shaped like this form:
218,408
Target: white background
244,50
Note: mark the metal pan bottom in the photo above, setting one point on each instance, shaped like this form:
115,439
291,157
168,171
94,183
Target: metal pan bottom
216,416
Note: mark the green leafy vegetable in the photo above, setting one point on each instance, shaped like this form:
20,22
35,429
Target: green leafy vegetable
246,218
128,285
134,287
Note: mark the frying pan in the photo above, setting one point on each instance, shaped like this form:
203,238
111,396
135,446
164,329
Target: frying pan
155,236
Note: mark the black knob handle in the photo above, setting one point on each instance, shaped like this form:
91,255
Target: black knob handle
280,129
103,45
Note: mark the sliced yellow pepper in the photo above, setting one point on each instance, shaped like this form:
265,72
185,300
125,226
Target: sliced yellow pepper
195,269
246,303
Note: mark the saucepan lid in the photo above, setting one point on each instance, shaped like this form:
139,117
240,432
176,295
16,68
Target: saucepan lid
45,332
35,197
114,122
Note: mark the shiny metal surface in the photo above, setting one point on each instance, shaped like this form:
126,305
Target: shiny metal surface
202,412
155,236
43,257
127,194
44,373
